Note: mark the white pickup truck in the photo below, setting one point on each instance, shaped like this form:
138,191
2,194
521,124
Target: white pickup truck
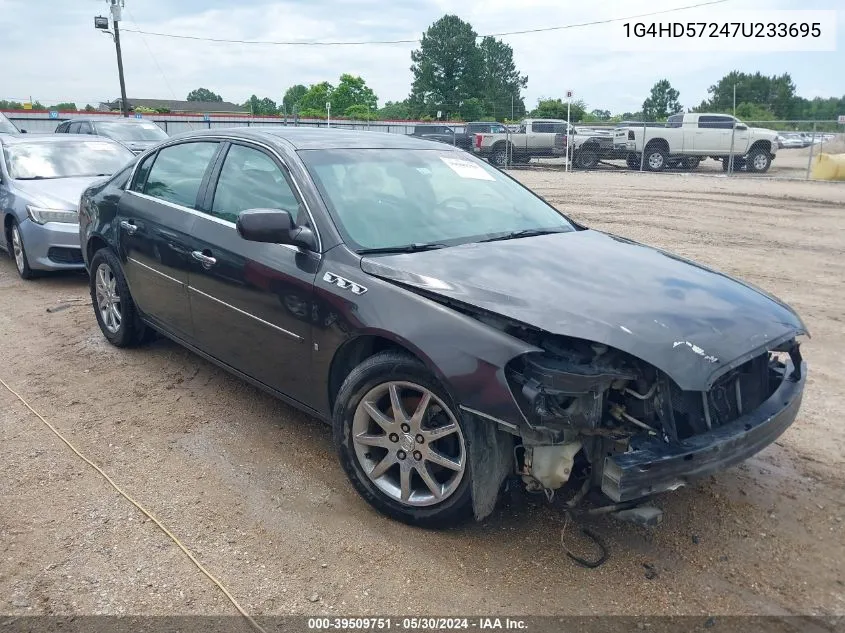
536,137
689,138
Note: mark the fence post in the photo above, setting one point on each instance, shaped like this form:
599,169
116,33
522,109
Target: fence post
812,147
731,154
642,153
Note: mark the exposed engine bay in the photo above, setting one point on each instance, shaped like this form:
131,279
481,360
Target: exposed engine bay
585,401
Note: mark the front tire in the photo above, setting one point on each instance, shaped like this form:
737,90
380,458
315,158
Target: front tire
758,161
17,250
401,442
116,313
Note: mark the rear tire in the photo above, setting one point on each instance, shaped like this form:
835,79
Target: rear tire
633,161
689,164
586,159
499,157
424,483
116,313
656,159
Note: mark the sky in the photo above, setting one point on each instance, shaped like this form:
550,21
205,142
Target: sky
49,49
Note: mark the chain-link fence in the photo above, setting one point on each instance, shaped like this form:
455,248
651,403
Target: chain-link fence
710,144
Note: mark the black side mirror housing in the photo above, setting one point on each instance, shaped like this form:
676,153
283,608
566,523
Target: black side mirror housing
23,131
274,226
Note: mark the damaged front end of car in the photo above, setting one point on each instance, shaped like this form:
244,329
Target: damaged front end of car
597,417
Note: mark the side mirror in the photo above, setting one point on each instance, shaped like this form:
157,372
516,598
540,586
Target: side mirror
742,127
274,226
23,131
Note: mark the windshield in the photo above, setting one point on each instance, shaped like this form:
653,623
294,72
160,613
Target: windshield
65,159
126,131
383,198
6,126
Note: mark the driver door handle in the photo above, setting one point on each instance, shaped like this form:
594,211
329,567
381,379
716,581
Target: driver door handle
128,227
206,260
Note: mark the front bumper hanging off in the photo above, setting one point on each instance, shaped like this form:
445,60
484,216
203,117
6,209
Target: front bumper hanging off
657,467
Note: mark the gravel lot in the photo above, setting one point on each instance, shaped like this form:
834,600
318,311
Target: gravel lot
252,487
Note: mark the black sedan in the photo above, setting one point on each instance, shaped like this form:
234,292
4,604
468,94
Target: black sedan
451,326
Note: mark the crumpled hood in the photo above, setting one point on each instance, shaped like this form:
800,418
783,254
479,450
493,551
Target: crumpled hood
56,193
687,320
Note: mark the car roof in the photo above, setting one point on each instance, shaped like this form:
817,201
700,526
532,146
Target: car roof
304,138
9,139
105,117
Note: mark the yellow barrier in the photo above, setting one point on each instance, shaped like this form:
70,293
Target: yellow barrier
829,167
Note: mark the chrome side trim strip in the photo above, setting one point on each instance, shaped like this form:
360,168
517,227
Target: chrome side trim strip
157,272
252,316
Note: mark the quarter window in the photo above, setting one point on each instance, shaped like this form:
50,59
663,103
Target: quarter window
142,173
178,171
250,179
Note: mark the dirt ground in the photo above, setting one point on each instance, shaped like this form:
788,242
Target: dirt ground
253,488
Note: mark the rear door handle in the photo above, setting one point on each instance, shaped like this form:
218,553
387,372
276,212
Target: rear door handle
207,261
128,227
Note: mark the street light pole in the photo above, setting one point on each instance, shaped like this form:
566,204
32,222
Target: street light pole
102,23
124,106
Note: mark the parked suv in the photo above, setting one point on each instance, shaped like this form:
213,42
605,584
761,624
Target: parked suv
137,135
452,327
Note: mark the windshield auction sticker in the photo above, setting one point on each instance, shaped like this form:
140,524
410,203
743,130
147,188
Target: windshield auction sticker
466,169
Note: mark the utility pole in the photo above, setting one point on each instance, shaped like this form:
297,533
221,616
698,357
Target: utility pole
734,100
102,23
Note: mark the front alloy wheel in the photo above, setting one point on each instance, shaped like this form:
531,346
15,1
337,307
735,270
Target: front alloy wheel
401,442
408,443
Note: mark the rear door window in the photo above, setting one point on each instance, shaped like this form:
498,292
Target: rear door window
715,121
178,171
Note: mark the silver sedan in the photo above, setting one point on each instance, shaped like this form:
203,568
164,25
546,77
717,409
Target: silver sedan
41,180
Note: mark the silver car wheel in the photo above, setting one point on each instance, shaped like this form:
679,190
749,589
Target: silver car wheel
760,162
17,249
417,459
655,160
108,299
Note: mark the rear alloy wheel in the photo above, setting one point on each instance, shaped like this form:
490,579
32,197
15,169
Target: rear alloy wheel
18,251
758,161
113,306
401,443
499,157
655,159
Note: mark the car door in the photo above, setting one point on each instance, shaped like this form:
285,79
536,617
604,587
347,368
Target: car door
252,302
714,134
155,217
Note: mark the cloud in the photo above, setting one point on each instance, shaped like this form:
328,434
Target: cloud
51,51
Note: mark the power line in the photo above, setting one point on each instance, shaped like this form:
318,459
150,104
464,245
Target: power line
416,41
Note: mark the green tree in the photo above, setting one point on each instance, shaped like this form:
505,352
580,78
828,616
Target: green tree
204,94
293,97
447,67
395,111
261,107
502,84
601,115
662,101
775,93
472,109
317,97
90,108
352,91
359,112
65,106
556,109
